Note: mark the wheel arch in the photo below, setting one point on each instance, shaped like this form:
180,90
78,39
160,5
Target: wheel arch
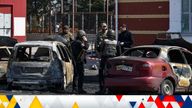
172,80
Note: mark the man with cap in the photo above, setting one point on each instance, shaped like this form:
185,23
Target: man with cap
79,47
124,39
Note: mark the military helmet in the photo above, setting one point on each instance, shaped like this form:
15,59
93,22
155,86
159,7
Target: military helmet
111,34
81,33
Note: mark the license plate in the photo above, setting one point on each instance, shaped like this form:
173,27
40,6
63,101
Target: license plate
124,68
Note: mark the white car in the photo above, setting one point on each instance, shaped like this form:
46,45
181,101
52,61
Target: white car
40,65
5,53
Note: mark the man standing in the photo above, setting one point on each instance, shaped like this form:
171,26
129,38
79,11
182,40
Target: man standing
101,36
107,49
67,34
124,39
64,32
79,47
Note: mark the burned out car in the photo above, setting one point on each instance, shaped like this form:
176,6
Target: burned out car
6,46
40,65
5,53
153,68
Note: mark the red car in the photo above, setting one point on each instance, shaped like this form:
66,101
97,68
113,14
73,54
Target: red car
154,68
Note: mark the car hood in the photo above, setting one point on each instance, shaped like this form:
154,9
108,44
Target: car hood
7,41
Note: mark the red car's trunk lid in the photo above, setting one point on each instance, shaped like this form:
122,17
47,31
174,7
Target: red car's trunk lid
130,66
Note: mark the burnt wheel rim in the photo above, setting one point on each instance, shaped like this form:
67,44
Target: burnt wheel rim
167,88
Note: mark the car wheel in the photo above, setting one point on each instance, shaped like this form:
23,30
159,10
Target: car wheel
166,88
60,87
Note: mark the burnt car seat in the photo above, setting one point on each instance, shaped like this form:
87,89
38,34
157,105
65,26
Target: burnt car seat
150,54
42,53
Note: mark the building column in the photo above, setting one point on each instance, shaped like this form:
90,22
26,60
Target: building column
175,15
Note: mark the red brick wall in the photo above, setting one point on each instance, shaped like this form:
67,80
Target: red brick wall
18,9
144,18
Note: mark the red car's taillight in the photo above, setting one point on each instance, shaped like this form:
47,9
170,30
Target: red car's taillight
145,69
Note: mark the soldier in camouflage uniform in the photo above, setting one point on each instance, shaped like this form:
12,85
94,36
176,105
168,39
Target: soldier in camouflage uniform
64,32
100,37
98,45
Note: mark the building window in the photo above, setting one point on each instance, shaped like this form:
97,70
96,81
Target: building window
187,16
5,21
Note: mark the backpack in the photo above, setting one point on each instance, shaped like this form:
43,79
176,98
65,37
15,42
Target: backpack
109,47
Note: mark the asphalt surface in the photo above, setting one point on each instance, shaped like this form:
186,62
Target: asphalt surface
90,86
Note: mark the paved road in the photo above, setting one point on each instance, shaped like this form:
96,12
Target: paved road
90,85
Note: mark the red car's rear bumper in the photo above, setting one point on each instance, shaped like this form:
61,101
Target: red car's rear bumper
133,84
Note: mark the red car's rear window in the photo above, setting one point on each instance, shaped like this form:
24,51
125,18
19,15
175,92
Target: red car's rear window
143,52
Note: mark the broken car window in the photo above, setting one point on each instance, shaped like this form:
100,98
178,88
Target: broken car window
4,54
188,57
143,52
63,53
33,53
175,56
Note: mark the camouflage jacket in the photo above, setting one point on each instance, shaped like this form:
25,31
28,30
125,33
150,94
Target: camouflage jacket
99,38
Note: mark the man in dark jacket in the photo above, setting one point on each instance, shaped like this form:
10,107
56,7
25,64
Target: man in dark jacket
124,39
79,47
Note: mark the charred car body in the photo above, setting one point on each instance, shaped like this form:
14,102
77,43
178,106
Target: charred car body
6,46
40,65
158,68
5,53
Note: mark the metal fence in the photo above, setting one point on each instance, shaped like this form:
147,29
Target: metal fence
88,21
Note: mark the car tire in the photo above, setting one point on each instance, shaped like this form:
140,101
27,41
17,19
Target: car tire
60,87
166,88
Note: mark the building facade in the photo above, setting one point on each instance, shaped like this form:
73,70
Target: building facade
13,19
146,18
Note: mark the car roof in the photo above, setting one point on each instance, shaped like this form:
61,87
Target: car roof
1,47
157,46
38,43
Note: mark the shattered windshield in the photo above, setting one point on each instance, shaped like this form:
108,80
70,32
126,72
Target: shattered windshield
33,53
143,52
